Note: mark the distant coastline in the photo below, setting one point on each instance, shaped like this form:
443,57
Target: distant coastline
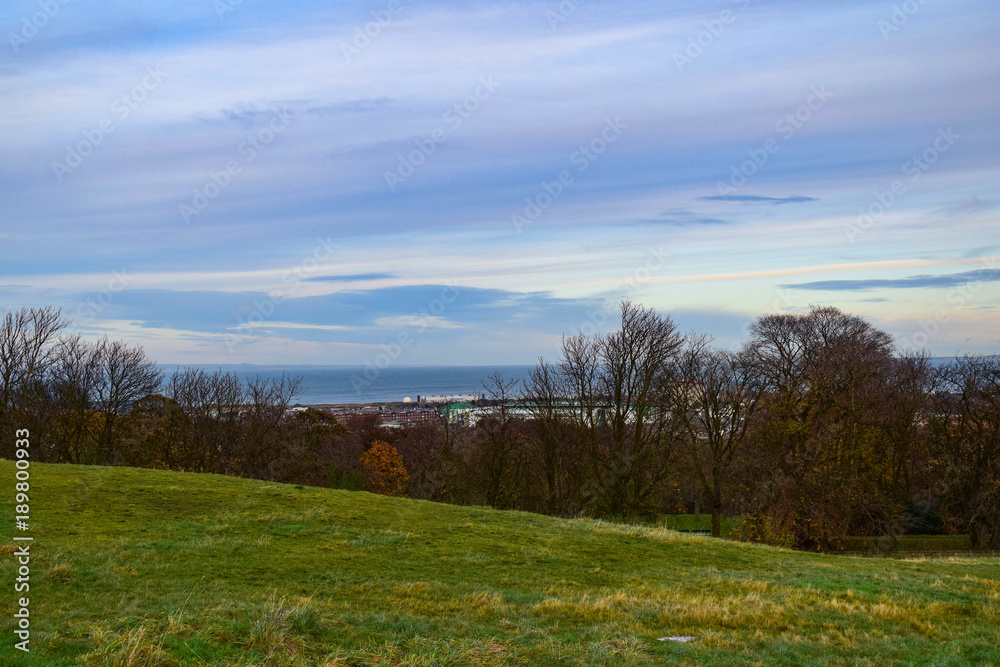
331,385
358,385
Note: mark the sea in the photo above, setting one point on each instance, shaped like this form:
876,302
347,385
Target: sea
322,385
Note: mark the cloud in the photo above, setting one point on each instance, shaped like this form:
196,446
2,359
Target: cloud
417,322
969,206
352,277
292,325
912,282
678,217
753,199
349,314
687,222
352,107
683,218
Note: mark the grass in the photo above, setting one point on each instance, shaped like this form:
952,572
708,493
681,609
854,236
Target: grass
701,521
138,567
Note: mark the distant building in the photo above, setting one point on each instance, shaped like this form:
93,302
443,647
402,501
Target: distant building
448,398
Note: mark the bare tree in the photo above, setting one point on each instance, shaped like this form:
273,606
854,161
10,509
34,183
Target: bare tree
125,375
637,366
212,403
903,406
500,456
265,405
720,392
27,336
445,475
236,427
553,451
965,427
73,381
580,372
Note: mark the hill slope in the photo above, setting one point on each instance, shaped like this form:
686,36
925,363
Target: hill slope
141,567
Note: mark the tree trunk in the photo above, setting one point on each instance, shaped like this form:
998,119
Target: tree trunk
716,505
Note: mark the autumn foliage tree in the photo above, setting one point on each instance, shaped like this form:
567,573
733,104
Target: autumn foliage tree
826,431
383,470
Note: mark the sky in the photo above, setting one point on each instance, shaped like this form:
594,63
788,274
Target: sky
413,182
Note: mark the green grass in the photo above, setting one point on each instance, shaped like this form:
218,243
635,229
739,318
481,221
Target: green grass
699,522
140,567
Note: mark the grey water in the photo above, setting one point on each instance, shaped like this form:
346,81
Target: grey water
358,384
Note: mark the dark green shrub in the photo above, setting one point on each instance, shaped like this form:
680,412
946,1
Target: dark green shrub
348,480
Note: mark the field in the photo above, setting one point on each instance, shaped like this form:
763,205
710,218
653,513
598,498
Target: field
693,522
140,567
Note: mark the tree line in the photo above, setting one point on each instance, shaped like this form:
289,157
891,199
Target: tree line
816,429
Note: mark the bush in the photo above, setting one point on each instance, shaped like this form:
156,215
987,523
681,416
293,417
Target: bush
348,480
765,530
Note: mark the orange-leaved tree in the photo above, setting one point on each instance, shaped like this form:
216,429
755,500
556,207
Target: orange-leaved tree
383,470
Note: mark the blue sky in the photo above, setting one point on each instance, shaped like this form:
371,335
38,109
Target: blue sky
464,183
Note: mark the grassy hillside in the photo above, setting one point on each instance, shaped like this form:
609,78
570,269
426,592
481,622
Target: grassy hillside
139,567
688,522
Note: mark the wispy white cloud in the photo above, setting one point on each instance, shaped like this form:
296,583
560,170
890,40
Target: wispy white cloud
416,322
265,325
